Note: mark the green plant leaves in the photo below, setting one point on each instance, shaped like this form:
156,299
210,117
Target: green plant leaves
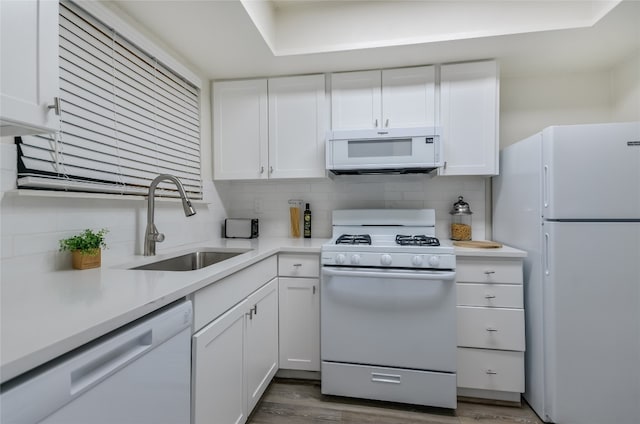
87,241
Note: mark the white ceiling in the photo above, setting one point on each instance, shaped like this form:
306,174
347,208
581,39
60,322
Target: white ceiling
237,39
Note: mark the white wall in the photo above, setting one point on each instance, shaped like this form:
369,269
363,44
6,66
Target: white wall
268,200
531,103
625,90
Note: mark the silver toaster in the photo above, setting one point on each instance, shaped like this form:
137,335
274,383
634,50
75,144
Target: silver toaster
241,228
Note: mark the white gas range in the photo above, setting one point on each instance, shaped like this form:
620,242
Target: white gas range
388,323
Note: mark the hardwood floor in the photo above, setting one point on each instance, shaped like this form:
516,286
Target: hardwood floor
300,402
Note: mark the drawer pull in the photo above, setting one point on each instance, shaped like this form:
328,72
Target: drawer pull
489,272
491,372
385,378
491,329
490,296
297,265
314,289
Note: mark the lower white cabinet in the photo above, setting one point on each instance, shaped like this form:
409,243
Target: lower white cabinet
491,336
235,357
300,323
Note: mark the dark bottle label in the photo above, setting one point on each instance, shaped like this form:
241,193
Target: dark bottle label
307,224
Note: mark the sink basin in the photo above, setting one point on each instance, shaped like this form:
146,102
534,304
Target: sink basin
191,261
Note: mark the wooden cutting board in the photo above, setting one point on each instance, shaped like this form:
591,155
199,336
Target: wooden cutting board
482,244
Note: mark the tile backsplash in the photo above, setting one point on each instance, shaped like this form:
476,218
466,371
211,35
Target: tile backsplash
268,200
31,226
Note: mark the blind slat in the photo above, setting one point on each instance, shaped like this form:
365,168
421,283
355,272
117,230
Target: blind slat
125,118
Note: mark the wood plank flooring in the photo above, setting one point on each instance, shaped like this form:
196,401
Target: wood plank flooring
300,402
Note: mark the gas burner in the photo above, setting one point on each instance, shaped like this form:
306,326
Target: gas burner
420,240
354,239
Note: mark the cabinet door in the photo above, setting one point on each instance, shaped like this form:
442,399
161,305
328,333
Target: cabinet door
29,58
297,126
240,133
218,365
356,100
409,97
299,305
469,118
261,341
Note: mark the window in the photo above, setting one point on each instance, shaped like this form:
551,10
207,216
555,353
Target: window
125,118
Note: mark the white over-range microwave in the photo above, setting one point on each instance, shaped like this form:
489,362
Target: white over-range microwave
388,151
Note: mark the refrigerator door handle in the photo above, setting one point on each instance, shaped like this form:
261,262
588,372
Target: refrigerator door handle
546,254
545,186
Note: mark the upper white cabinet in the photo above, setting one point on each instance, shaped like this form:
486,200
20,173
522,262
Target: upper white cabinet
240,132
269,128
29,60
297,126
391,98
469,97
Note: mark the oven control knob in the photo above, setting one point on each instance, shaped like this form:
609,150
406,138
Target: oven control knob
434,261
340,259
385,260
417,260
355,259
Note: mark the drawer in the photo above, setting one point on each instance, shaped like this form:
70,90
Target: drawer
489,295
298,265
489,270
491,328
389,384
491,370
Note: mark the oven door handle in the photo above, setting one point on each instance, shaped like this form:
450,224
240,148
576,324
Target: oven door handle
421,275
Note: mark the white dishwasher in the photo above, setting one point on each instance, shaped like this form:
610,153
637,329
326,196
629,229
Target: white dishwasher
137,375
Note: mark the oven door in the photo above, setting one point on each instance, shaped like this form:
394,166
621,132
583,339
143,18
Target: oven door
394,318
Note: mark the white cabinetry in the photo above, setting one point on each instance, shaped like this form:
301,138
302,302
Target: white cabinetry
469,97
236,355
269,128
391,98
29,60
491,335
299,311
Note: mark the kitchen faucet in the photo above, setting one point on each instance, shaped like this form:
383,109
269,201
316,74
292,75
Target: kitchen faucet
151,234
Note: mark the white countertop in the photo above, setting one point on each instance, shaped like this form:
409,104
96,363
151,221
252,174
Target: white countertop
44,315
503,252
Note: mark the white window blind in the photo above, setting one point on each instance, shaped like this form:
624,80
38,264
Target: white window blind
125,118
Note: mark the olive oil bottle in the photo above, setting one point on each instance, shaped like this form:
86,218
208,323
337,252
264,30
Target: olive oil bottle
307,222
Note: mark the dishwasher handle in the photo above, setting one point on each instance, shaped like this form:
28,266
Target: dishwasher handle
378,273
117,357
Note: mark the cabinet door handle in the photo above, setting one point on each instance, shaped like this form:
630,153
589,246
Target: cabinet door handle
489,272
375,125
386,123
314,289
255,309
271,170
490,296
491,372
491,329
250,314
262,169
297,265
55,106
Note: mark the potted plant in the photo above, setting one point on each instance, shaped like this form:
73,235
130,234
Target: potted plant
85,248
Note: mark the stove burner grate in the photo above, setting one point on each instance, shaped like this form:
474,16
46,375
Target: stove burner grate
419,240
354,239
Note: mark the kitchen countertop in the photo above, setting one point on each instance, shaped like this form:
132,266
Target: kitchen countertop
44,315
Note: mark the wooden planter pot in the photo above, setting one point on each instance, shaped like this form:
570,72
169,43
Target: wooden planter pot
86,260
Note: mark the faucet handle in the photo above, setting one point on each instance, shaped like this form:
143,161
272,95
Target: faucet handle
158,237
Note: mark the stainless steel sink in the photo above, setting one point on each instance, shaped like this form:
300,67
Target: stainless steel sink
192,260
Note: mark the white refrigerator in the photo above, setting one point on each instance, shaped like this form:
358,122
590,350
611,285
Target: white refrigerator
570,197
